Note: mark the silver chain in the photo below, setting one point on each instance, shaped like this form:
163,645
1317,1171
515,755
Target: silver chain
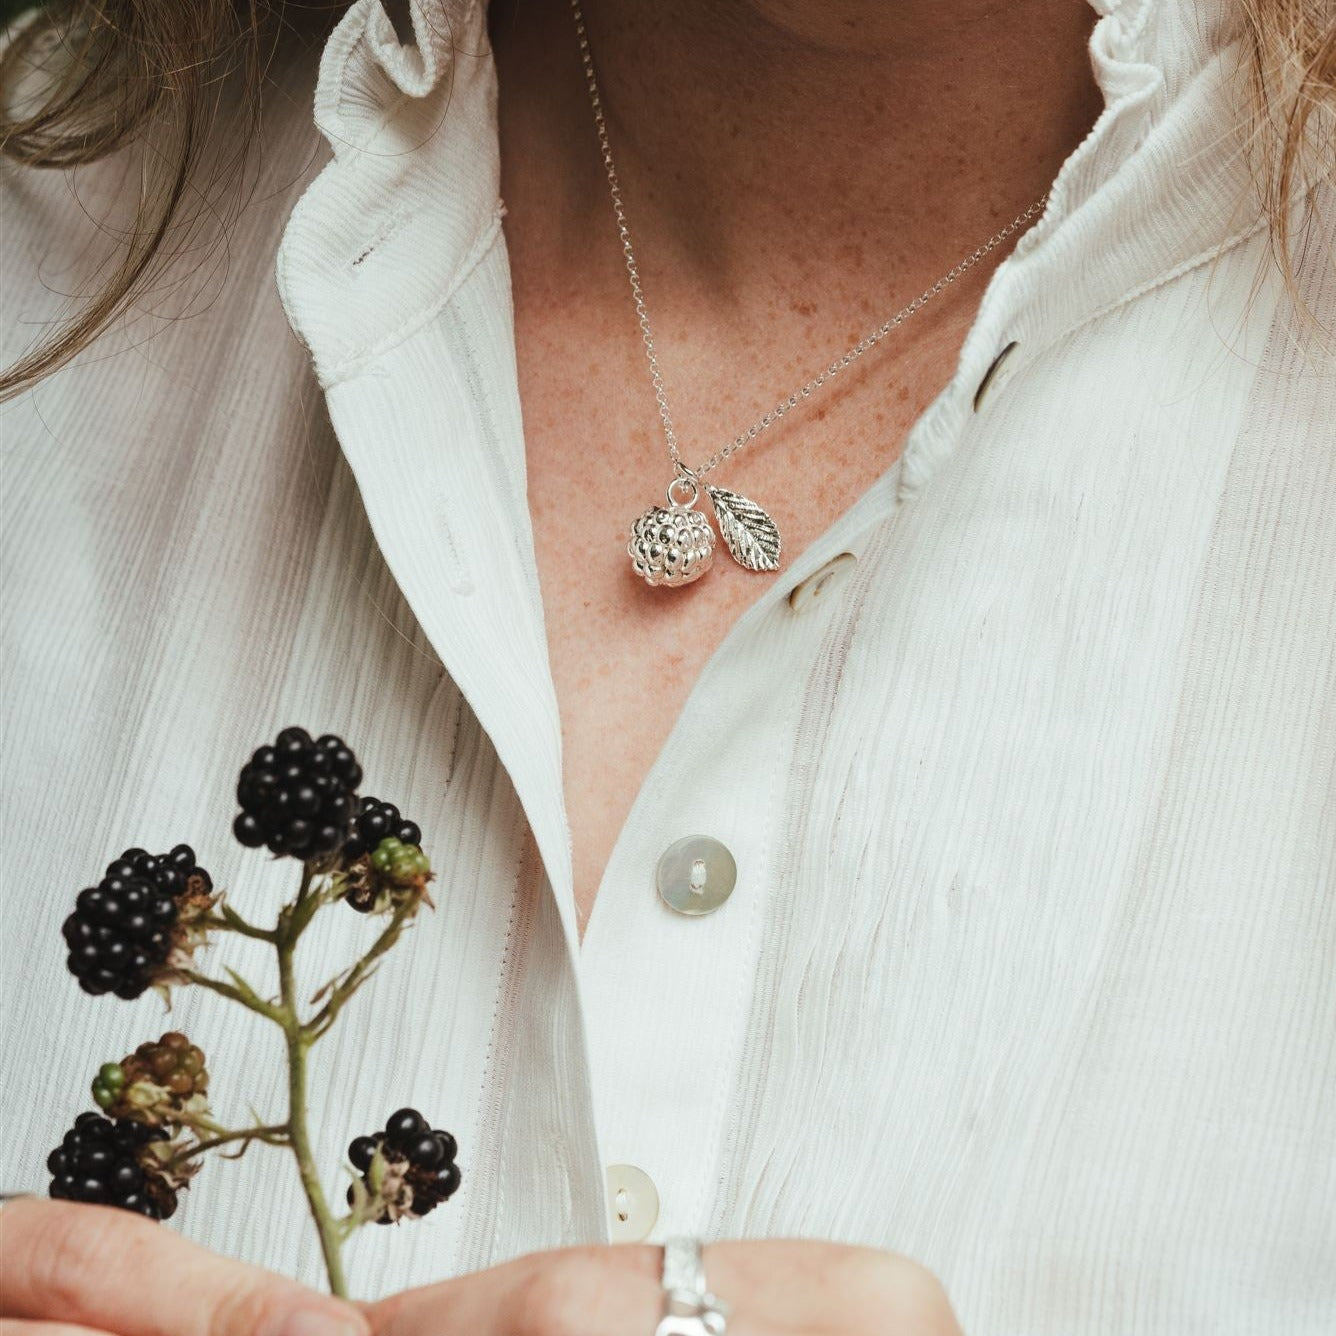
803,392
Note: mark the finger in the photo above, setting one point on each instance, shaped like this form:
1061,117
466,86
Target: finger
13,1327
587,1291
796,1284
117,1272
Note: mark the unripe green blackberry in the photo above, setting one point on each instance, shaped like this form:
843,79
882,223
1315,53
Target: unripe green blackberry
398,862
391,873
108,1084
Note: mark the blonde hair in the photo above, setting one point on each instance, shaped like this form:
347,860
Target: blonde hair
1292,79
152,71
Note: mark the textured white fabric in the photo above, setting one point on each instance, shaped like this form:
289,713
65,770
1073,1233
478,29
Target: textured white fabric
1030,972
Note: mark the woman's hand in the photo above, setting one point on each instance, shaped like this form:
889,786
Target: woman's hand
773,1288
68,1270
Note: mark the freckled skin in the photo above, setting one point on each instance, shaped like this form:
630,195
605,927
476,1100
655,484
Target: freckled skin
625,656
755,280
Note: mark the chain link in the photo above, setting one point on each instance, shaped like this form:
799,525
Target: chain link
784,406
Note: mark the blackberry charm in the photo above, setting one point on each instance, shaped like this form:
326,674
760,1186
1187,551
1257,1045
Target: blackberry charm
673,545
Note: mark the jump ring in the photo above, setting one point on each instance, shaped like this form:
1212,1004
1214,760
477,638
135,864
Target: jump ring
683,482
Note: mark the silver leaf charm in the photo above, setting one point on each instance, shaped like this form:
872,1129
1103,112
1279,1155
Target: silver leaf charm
751,535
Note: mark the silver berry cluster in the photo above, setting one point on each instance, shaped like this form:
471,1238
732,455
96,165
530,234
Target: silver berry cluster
671,545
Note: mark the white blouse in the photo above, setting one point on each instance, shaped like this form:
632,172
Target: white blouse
1029,971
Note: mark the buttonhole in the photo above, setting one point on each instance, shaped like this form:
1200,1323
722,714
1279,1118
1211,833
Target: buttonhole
396,219
623,1206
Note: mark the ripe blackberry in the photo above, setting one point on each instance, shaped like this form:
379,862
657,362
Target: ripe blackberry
297,796
114,1164
127,931
375,820
157,1083
417,1170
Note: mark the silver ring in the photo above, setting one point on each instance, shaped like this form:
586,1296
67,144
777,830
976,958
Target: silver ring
689,1309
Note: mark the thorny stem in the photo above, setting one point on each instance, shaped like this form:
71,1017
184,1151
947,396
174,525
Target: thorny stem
272,1136
299,1037
246,996
228,920
353,980
291,924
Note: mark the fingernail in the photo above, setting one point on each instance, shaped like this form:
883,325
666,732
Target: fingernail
312,1323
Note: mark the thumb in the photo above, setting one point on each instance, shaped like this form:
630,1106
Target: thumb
107,1269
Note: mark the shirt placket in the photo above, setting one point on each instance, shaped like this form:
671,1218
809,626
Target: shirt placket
671,947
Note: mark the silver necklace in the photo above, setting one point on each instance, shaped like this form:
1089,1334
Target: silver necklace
673,545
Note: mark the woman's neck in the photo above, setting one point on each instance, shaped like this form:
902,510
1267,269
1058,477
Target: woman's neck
765,137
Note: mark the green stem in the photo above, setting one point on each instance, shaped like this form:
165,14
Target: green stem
357,976
228,920
299,1138
349,1224
304,892
271,1136
248,997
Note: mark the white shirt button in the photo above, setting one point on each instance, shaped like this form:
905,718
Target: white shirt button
695,875
1003,368
633,1203
821,581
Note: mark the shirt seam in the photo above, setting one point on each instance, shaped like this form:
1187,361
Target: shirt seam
1161,280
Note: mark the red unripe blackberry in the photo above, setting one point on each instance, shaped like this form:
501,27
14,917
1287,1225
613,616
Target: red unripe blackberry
110,1164
173,1061
419,1166
298,796
123,930
158,1083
